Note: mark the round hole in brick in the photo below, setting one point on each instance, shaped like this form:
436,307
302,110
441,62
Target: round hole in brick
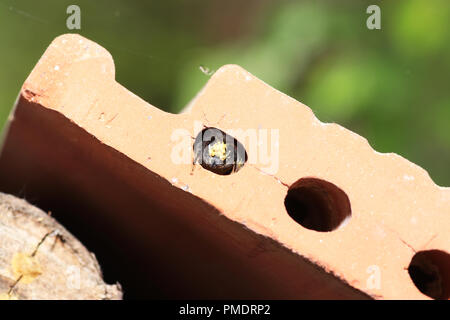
218,151
317,204
430,272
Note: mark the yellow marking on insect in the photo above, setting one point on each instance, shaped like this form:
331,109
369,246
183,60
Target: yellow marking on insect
25,266
239,164
218,149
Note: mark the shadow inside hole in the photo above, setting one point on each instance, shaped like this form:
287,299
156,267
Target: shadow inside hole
430,272
219,152
317,204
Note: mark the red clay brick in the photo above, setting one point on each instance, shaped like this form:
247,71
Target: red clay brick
78,138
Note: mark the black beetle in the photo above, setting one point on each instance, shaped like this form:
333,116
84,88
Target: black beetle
218,152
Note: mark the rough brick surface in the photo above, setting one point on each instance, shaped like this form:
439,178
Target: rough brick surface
79,139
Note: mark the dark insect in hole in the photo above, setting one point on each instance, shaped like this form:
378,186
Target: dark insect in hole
218,152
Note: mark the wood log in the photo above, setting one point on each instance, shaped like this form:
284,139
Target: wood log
40,259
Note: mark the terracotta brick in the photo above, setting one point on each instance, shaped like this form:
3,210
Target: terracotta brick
79,139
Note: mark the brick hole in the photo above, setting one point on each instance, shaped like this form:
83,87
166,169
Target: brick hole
317,204
430,272
219,152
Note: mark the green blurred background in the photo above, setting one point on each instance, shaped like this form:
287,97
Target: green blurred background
389,85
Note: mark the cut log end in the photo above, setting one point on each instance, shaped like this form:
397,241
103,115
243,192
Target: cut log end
40,259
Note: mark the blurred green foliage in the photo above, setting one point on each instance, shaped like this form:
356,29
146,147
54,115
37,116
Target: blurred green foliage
389,85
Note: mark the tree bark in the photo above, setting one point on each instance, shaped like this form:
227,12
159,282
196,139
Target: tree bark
40,259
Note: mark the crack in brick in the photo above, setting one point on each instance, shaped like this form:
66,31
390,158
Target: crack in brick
271,175
110,120
400,238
